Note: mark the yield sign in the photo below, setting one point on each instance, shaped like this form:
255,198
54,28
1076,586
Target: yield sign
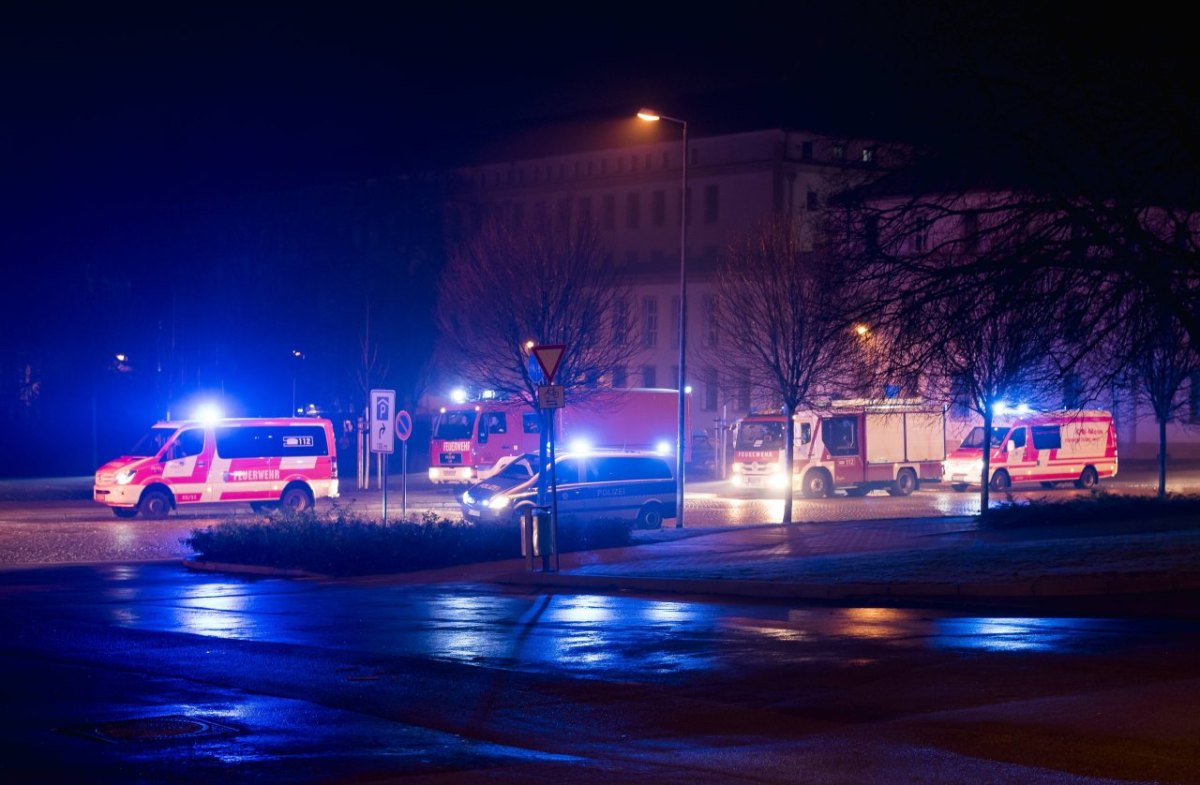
549,356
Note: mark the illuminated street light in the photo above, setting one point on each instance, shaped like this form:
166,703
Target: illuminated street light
681,437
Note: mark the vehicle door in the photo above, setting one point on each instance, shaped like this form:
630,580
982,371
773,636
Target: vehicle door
1020,459
568,474
842,435
186,461
1045,442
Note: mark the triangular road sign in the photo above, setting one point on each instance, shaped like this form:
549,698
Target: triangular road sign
549,356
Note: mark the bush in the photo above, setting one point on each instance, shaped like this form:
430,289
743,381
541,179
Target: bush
1100,507
340,545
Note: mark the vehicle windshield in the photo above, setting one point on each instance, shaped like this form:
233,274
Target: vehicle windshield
974,440
454,425
759,436
521,469
152,441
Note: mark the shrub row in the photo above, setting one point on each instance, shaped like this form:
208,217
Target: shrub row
1099,507
340,545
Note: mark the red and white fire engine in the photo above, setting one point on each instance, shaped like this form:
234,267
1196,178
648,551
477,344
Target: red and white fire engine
854,445
473,440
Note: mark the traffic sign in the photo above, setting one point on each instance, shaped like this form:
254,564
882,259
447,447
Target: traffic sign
403,425
550,396
383,438
549,356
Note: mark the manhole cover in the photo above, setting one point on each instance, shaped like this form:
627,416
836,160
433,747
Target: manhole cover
171,728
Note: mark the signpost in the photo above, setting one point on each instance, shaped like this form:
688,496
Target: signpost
550,397
381,435
404,426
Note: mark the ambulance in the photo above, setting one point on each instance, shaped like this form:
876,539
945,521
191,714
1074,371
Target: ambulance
286,462
1079,447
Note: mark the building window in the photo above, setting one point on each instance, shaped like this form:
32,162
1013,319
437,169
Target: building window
710,204
811,201
806,151
658,208
609,212
633,208
712,390
649,321
620,322
838,152
675,322
868,155
620,377
649,378
743,389
710,320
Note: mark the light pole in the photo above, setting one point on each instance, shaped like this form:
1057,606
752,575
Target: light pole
298,355
681,438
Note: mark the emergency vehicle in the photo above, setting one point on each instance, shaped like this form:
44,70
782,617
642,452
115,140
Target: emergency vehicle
854,445
1065,446
286,462
473,440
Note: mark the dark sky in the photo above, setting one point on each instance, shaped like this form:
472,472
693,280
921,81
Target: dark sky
115,106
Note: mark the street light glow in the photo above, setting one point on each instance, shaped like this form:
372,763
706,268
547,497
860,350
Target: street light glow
649,115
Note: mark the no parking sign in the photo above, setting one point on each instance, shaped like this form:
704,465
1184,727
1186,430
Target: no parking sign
404,425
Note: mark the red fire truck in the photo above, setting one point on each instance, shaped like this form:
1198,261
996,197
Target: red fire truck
473,440
855,445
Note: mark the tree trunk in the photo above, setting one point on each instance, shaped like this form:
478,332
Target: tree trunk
1162,458
986,471
789,434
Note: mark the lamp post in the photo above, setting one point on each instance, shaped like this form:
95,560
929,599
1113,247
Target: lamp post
681,438
299,355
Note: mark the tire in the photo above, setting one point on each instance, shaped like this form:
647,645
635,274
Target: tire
1088,478
650,516
125,512
905,484
155,504
857,490
1000,481
295,500
817,483
959,486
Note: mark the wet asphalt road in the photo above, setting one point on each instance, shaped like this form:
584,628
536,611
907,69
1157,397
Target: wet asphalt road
154,674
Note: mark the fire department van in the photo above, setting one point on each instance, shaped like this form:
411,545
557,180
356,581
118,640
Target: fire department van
266,462
758,451
1067,446
474,440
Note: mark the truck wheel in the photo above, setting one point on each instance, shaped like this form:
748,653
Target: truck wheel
817,483
1087,478
905,484
650,517
125,512
295,499
1000,481
155,504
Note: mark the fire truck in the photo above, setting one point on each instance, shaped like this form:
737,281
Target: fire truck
852,445
475,439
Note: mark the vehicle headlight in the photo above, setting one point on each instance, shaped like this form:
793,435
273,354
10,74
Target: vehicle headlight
125,476
498,502
737,467
468,498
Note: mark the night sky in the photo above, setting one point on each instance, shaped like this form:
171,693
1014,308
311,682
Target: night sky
121,124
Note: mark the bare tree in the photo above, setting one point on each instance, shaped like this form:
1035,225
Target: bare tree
548,282
782,309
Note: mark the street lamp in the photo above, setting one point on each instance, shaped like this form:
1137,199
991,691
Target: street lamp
299,355
681,438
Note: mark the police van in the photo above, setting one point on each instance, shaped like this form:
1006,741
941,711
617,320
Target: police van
287,462
604,484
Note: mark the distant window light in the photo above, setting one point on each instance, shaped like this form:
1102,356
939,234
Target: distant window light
806,153
868,155
838,152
